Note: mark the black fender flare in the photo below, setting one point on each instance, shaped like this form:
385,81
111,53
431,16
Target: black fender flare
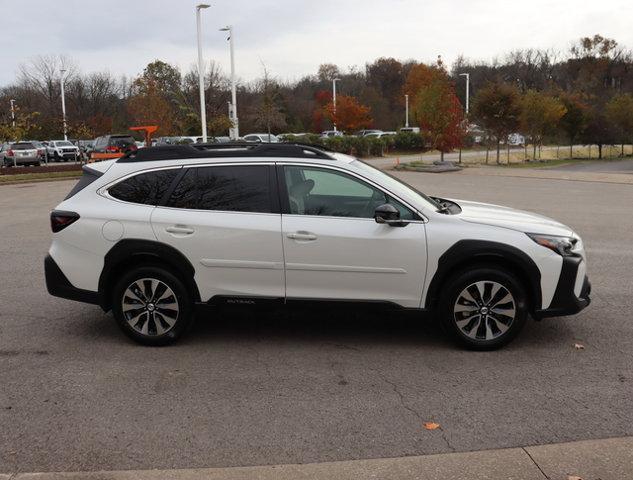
476,252
129,252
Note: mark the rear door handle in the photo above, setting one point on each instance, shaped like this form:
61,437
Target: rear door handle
178,230
302,236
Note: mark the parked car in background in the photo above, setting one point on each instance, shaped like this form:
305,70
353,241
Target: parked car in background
285,136
410,130
62,151
331,133
112,146
379,134
261,138
41,149
19,153
516,140
364,133
85,147
180,140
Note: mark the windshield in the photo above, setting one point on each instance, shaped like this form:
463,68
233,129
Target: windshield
64,144
397,185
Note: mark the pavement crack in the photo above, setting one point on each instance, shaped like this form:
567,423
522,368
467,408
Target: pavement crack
414,411
537,465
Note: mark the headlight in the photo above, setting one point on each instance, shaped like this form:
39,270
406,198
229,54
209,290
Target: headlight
562,245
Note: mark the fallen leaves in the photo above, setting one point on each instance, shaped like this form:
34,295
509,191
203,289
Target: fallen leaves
573,477
431,425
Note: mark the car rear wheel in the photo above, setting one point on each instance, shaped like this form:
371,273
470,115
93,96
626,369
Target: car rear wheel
483,308
152,306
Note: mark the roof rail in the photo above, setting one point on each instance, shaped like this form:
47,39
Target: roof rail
228,150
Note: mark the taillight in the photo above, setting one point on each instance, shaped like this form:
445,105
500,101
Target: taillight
112,149
60,220
10,153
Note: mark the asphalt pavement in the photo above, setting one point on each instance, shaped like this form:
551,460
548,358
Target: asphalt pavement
309,386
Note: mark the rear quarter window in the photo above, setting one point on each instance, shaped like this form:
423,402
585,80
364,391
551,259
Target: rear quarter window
86,179
144,188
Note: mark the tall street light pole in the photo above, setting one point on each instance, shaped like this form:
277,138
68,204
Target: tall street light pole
235,131
334,80
203,112
12,112
63,71
467,75
406,110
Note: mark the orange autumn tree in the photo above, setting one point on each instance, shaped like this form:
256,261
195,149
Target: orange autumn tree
321,98
350,114
439,115
421,76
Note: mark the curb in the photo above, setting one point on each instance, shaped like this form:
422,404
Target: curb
588,459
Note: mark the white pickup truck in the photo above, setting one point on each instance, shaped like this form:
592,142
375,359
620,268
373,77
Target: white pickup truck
62,150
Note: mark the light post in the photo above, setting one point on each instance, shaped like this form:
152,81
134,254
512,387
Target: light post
12,112
203,113
406,110
234,132
63,104
334,80
467,75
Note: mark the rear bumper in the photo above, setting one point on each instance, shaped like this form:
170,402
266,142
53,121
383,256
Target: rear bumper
21,160
59,286
565,301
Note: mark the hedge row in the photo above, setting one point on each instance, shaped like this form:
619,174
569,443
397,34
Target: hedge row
42,169
363,146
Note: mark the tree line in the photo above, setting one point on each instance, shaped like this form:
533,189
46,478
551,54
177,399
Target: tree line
583,95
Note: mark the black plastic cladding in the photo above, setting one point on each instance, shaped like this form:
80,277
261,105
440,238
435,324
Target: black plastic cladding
228,150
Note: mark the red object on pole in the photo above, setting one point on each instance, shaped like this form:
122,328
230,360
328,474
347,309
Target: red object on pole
149,130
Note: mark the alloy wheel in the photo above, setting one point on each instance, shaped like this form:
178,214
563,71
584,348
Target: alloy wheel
484,310
150,307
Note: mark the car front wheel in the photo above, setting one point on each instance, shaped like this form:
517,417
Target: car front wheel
152,306
484,308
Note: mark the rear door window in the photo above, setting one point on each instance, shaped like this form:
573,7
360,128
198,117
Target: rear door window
145,188
233,188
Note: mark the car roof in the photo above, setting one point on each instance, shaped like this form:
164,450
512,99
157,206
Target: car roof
232,151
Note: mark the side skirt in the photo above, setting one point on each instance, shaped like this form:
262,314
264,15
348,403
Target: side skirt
311,303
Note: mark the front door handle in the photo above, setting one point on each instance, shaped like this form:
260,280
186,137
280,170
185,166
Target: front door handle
306,236
180,230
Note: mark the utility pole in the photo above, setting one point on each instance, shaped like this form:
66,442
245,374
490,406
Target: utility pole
234,133
203,109
467,75
334,80
63,104
12,112
406,109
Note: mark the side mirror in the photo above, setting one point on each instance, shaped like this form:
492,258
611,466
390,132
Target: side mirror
388,214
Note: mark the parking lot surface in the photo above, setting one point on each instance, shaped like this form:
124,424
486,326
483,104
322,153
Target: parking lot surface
309,386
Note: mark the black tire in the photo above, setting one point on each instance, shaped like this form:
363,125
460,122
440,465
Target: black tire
466,286
146,320
55,157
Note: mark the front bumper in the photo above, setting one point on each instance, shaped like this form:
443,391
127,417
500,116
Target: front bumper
565,301
59,286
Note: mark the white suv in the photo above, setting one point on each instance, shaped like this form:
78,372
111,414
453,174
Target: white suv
164,230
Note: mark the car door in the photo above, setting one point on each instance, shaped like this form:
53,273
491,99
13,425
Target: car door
226,220
333,247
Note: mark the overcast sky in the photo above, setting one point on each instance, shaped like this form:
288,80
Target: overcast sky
293,37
